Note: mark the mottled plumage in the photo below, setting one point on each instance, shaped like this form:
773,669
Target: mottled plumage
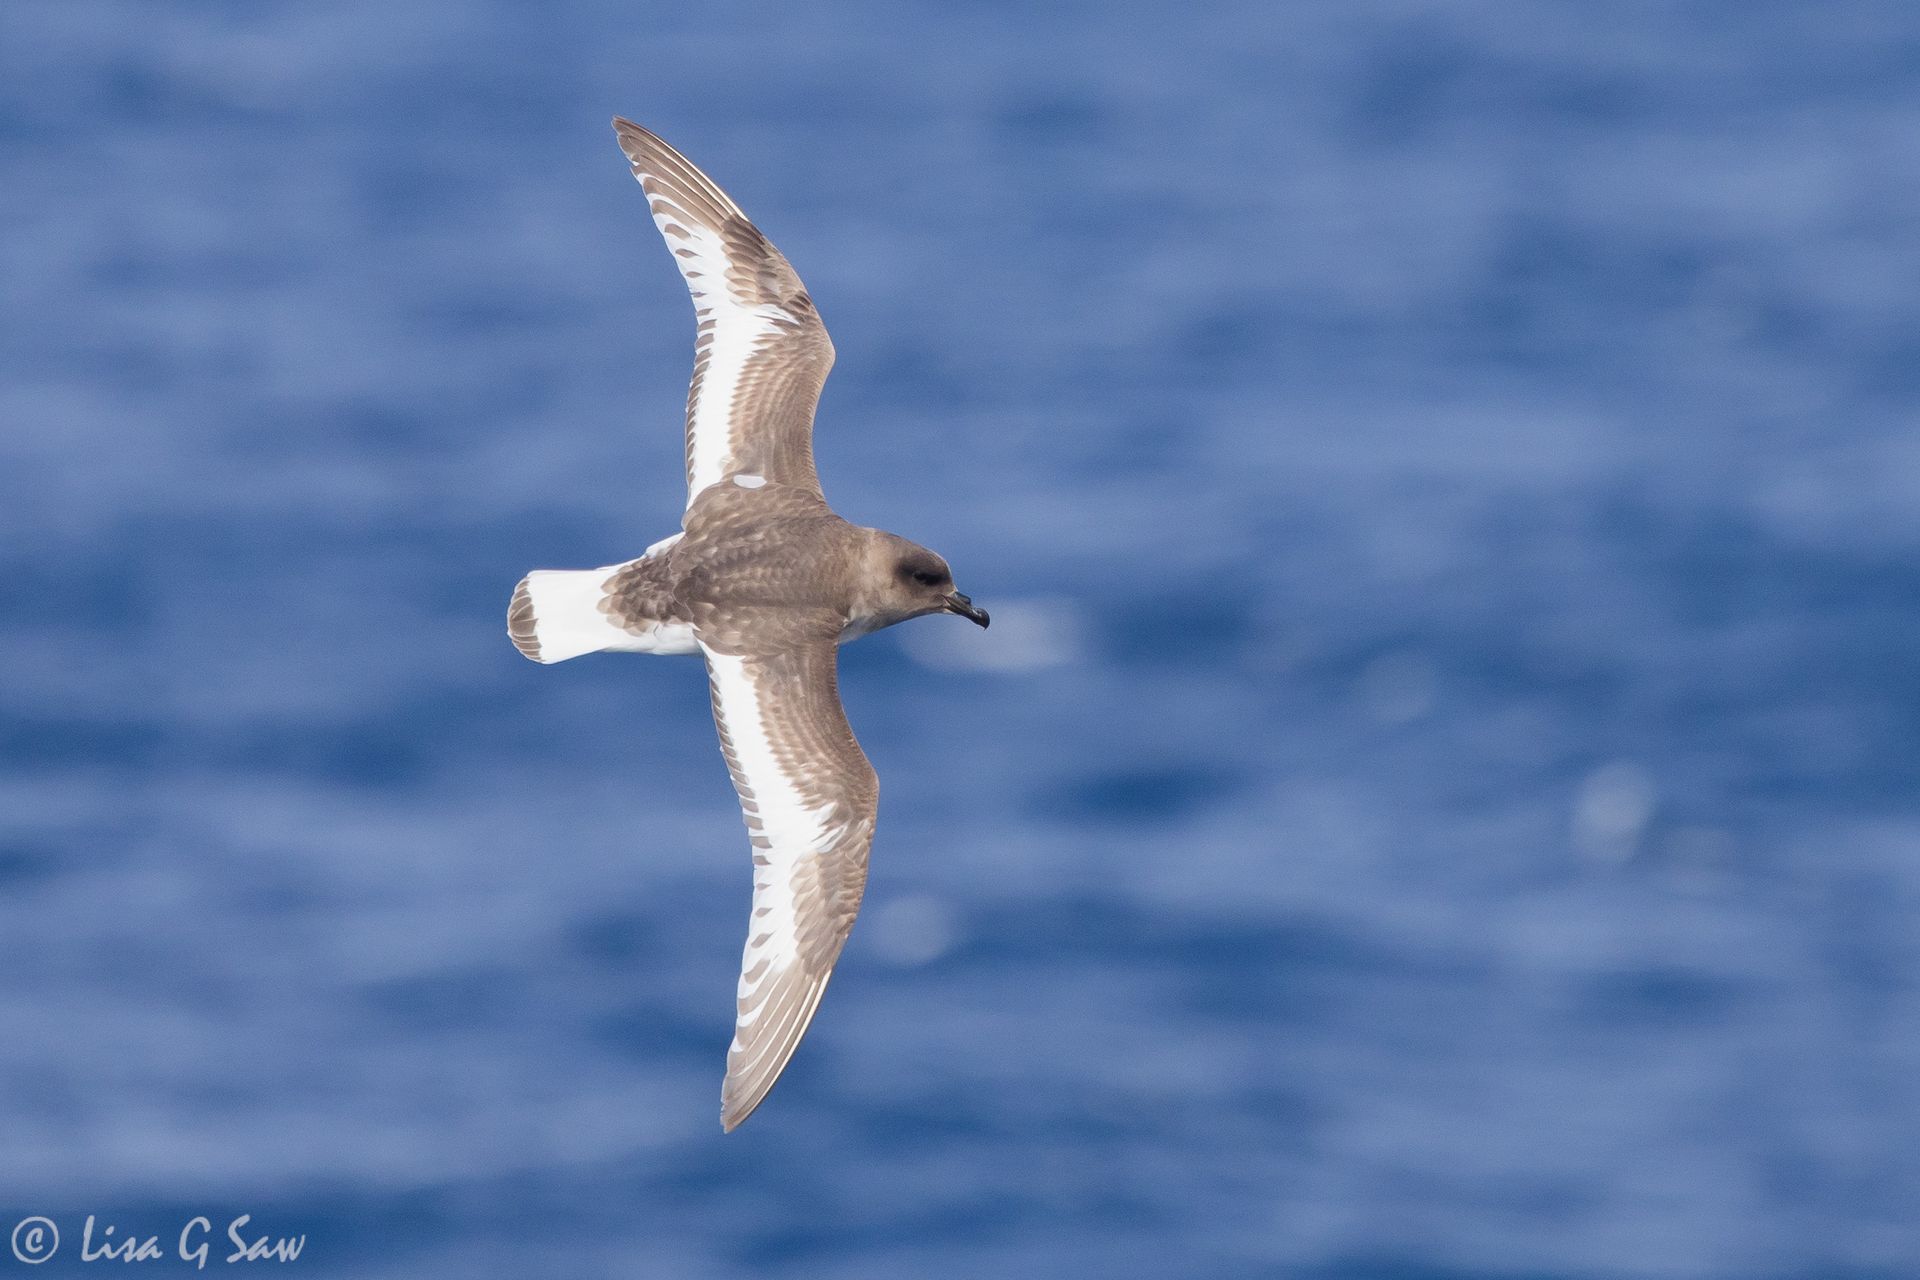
765,581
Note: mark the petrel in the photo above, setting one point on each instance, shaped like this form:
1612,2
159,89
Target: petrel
765,581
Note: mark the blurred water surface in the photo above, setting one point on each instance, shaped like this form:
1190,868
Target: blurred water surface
1439,800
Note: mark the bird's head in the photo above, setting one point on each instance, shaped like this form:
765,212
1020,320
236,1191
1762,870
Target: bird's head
906,580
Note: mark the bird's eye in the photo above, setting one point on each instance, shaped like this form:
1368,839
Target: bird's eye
925,578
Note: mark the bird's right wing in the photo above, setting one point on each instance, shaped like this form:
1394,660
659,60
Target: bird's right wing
761,353
809,798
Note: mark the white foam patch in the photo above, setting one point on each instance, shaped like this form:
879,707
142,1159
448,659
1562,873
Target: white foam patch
914,930
1612,809
1026,636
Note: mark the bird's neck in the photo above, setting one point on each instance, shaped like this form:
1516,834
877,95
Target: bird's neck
871,604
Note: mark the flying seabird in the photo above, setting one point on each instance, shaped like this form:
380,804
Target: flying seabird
765,581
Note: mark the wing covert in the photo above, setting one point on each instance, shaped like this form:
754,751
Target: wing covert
809,798
761,353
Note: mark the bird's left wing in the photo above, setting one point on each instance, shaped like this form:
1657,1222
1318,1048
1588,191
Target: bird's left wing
761,353
809,798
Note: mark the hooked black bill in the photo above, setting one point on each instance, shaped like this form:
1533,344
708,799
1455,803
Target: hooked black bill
966,608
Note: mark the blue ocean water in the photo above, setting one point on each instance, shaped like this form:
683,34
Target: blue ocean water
1439,797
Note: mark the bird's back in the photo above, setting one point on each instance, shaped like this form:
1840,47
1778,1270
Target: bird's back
763,567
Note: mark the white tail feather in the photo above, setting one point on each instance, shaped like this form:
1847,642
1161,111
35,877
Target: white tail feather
558,614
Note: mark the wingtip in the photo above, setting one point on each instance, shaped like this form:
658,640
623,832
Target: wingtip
734,1111
641,144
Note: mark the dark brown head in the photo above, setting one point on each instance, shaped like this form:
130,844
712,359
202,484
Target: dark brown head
911,581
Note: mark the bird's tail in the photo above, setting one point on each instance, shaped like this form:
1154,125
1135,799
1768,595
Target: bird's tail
558,614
